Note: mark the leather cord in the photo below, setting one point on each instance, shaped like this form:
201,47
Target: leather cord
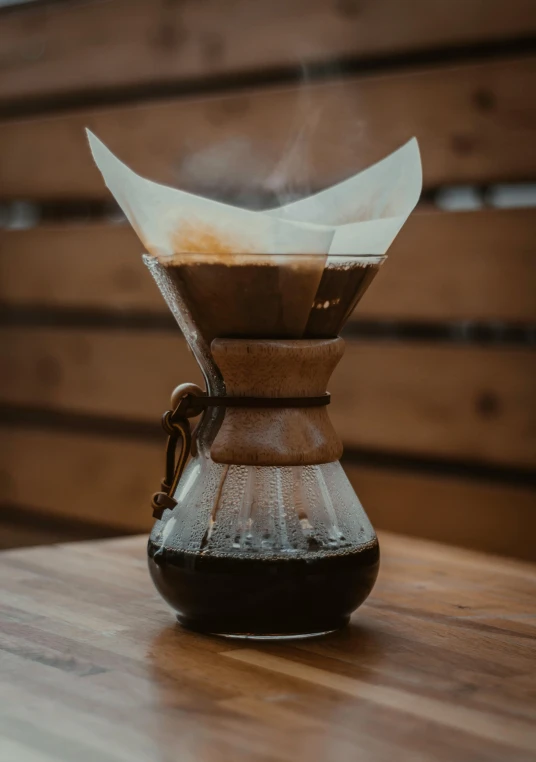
177,425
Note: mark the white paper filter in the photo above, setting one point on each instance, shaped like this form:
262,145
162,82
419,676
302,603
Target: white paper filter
360,216
369,209
170,221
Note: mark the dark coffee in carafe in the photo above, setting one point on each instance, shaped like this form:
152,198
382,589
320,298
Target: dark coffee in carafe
273,596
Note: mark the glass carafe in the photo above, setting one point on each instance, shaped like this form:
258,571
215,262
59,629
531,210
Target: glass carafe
252,549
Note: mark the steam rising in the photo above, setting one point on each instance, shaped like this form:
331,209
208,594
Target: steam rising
236,170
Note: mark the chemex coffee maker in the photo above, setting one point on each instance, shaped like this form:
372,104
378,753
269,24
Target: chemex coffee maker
258,531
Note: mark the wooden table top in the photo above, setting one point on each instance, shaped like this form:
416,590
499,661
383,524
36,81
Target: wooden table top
439,664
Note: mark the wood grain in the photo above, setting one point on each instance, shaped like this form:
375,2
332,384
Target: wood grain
474,124
461,402
83,47
473,513
443,266
458,266
281,436
438,663
108,480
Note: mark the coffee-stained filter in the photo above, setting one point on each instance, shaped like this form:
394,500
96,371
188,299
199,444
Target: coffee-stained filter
169,221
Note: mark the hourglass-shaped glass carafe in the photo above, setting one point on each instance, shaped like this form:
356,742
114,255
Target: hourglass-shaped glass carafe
264,536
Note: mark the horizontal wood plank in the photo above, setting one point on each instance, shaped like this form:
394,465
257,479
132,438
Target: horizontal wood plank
460,402
459,266
443,266
61,48
471,513
89,478
110,480
474,123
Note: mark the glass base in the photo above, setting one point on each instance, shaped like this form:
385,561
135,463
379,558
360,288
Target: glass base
272,636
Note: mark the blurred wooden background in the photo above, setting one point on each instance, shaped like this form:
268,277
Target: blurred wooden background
255,101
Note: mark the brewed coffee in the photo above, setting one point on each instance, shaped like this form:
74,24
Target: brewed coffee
273,596
249,297
343,283
253,297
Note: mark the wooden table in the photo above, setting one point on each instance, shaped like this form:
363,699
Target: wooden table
440,664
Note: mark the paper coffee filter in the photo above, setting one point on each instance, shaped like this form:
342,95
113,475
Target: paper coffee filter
389,188
369,209
366,239
360,216
169,221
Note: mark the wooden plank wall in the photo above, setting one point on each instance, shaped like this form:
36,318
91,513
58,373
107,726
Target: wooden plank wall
435,396
474,123
85,46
